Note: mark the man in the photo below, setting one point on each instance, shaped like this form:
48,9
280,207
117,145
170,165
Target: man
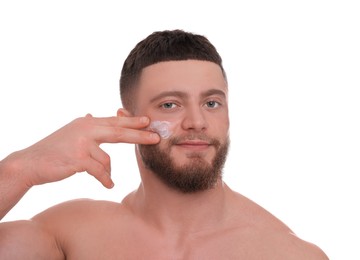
182,208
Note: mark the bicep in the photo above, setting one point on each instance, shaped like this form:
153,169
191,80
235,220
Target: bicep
27,240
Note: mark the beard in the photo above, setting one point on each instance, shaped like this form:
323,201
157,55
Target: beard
196,175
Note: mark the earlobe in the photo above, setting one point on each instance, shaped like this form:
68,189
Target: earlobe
123,112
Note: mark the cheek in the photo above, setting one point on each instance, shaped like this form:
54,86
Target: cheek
163,128
219,124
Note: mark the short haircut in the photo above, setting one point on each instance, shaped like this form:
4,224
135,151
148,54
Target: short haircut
175,45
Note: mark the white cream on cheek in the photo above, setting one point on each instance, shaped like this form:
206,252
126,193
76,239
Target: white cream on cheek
161,127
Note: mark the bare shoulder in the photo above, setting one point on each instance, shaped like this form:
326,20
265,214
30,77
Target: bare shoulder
27,239
268,233
282,245
55,232
73,208
301,249
69,214
79,222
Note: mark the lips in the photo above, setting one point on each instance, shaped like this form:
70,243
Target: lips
194,142
194,145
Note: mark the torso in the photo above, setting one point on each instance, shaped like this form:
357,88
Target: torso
107,230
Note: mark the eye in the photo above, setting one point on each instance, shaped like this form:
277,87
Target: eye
212,104
168,105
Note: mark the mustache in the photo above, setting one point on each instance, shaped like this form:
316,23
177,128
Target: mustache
189,137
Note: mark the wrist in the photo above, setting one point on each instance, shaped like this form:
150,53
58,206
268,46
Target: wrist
11,167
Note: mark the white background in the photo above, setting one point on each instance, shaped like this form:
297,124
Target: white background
294,75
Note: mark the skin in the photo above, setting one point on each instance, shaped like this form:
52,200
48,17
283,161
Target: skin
155,221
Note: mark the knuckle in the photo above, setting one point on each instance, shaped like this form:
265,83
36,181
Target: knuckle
81,150
79,120
114,121
106,159
83,121
82,143
97,170
119,133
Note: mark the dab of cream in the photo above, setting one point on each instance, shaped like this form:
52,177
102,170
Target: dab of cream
161,127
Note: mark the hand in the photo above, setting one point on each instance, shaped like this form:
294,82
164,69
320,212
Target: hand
75,148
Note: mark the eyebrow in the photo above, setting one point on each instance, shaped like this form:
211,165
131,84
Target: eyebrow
179,94
213,91
184,95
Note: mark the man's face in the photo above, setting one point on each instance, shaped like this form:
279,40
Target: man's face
192,96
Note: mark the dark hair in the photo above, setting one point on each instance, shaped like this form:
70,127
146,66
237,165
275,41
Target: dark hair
163,46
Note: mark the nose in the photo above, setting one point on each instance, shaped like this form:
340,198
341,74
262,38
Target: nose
194,119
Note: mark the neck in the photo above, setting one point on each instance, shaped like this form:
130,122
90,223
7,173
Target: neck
173,211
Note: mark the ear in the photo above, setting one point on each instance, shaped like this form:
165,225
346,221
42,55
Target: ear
123,112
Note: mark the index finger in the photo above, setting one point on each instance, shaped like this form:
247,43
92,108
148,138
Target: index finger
121,134
135,122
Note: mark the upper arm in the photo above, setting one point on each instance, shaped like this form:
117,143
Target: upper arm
27,240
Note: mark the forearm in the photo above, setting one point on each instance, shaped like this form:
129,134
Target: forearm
12,189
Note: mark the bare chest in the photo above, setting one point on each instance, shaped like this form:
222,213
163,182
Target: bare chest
149,250
142,244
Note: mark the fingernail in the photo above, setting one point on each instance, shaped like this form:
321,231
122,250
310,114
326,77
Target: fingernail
111,184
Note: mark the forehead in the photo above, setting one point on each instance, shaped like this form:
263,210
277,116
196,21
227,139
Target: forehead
189,76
